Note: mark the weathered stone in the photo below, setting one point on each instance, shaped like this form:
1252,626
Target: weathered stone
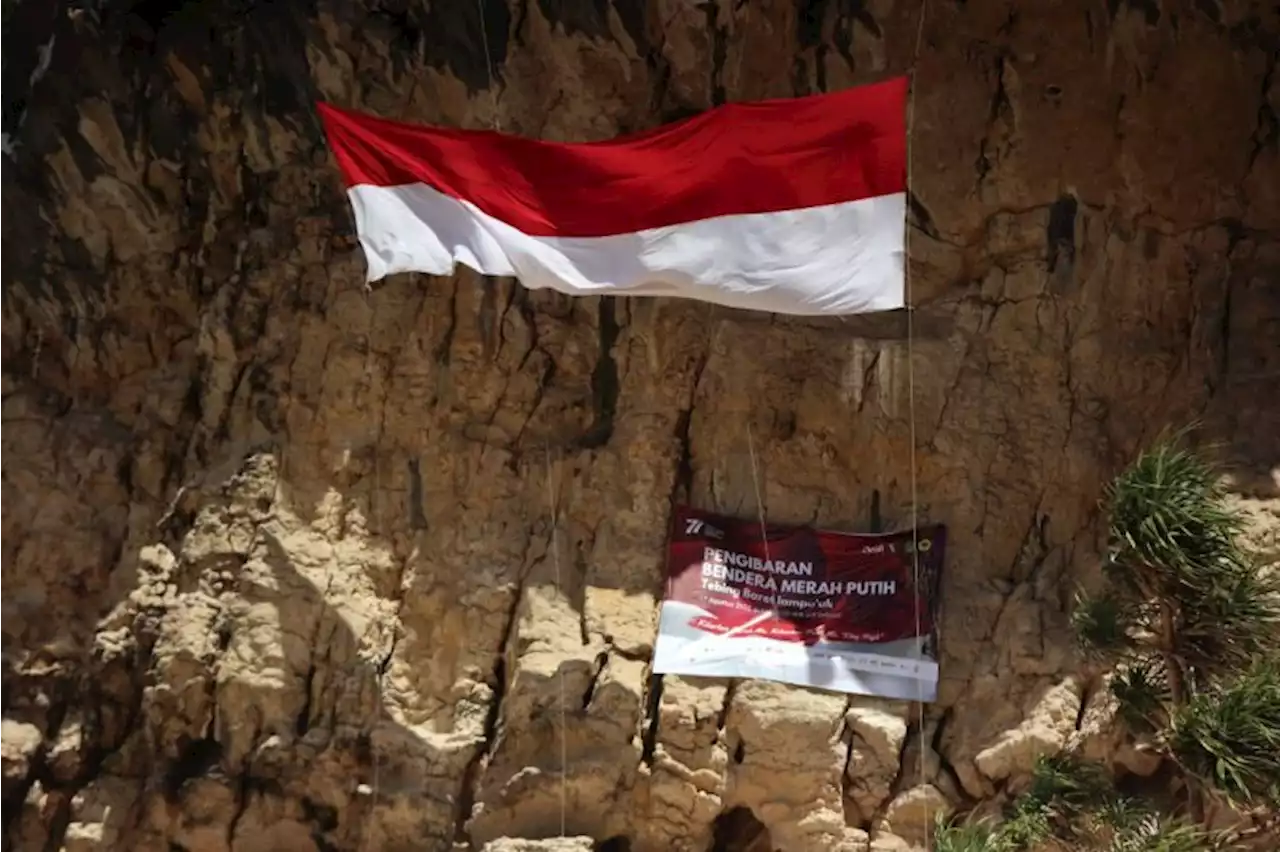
19,741
280,566
879,729
913,813
558,844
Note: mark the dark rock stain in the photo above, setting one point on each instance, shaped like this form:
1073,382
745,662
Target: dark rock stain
1151,245
585,17
276,37
809,17
921,216
170,126
719,51
809,20
39,117
1150,9
1210,9
1061,232
405,32
460,35
194,760
1001,110
604,380
591,18
27,30
417,518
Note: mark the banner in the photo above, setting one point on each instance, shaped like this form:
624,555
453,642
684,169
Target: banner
839,611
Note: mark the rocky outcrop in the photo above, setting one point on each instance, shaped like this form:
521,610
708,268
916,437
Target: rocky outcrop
294,564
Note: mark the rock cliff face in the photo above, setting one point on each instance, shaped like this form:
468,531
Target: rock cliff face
280,569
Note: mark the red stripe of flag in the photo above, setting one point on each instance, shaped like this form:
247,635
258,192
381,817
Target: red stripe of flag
757,157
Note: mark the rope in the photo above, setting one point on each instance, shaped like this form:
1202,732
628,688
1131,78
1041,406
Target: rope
755,478
488,65
564,735
379,674
911,408
764,613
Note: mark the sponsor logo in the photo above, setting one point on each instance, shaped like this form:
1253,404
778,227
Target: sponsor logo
701,529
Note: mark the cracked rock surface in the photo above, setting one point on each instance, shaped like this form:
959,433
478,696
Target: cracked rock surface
289,564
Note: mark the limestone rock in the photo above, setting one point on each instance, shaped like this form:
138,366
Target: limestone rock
1103,737
100,815
295,563
559,844
879,729
19,742
886,842
1000,749
911,814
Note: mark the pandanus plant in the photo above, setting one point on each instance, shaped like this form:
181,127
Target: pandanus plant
1188,623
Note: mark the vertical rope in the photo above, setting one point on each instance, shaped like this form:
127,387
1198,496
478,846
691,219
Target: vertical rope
755,478
911,406
488,65
553,513
379,678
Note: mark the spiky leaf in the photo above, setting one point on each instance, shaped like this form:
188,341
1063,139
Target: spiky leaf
976,836
1142,690
1171,532
1067,782
1102,624
1234,622
1230,736
1154,833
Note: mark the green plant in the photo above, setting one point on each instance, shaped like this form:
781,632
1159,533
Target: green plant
1189,622
976,836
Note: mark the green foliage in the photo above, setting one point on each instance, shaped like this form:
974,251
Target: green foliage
1192,623
1229,736
1171,533
976,836
1188,602
1142,690
1102,624
1073,803
1175,553
1235,622
1149,832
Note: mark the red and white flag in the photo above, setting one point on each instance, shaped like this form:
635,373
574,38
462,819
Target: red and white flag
796,206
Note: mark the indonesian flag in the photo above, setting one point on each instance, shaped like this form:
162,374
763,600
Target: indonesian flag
796,206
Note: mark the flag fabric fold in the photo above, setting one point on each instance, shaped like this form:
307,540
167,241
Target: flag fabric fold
795,206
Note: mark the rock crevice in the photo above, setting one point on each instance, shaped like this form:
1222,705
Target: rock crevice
278,559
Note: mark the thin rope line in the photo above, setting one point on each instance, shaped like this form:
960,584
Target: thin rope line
755,478
488,65
552,510
911,408
379,679
740,21
717,638
764,539
764,614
